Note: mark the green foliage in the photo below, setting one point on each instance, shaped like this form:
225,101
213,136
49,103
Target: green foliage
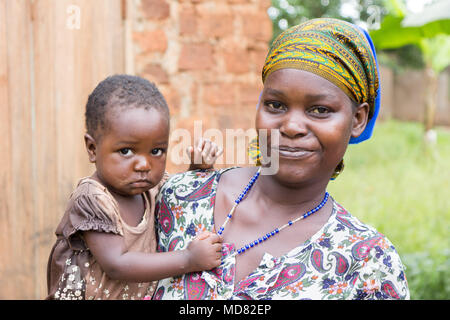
391,184
432,35
297,11
428,276
401,59
393,35
403,45
437,51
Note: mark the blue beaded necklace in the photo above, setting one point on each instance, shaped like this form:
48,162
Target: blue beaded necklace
276,230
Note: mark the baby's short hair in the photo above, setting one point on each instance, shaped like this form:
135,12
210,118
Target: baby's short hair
121,91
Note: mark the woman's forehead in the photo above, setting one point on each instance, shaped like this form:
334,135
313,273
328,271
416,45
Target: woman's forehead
294,81
333,49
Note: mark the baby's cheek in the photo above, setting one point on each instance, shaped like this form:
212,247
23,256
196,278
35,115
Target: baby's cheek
158,170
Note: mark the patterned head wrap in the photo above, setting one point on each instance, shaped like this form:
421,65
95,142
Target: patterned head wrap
336,50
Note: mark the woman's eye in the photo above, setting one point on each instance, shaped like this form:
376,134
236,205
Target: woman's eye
274,105
157,151
320,110
125,151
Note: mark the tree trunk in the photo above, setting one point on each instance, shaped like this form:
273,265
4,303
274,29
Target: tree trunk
431,82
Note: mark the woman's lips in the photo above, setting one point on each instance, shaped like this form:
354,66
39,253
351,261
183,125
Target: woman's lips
293,152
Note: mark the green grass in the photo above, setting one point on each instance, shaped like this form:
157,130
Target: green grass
395,184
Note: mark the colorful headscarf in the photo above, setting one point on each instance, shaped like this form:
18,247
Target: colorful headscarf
336,50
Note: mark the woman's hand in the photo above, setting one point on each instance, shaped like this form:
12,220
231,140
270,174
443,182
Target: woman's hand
203,154
204,252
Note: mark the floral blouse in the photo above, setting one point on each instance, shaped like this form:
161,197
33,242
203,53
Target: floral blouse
345,259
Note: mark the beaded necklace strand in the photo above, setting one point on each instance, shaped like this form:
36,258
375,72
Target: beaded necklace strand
276,230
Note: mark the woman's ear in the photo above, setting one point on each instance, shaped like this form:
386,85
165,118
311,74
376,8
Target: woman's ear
360,119
91,147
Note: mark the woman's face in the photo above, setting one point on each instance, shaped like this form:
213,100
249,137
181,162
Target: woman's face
315,120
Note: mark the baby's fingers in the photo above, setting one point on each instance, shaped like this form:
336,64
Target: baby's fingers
215,238
199,145
190,152
204,235
194,154
206,156
215,153
217,248
218,151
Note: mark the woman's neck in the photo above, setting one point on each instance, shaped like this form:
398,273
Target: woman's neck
273,192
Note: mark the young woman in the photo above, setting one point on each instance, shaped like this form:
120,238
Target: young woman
284,236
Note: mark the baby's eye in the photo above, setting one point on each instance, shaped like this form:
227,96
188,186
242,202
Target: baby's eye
157,152
126,152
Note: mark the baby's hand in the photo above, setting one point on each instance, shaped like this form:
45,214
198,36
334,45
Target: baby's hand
205,252
204,154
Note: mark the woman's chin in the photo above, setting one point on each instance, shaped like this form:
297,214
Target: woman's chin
291,175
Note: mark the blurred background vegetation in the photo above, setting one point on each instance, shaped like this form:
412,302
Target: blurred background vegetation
409,200
406,172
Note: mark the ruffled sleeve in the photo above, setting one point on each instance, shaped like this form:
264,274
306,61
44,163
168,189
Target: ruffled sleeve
93,210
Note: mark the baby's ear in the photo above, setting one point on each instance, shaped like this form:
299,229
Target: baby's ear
91,147
360,119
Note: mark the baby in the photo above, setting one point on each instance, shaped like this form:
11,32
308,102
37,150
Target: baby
106,242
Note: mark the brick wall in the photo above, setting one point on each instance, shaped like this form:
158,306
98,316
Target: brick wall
205,56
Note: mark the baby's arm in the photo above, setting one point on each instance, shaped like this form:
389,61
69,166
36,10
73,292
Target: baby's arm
203,253
203,154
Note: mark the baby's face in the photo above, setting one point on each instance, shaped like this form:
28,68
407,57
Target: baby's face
131,154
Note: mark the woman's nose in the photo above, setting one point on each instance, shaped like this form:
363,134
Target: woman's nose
294,125
142,164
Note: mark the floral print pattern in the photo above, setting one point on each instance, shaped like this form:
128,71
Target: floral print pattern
345,259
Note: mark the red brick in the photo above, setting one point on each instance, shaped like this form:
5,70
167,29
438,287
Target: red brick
154,72
153,40
196,57
264,4
232,117
257,58
249,94
237,61
194,94
215,24
219,94
172,98
155,9
188,21
257,26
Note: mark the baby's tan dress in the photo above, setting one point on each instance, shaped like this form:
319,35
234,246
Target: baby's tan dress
72,271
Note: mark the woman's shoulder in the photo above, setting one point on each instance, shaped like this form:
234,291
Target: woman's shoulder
358,236
381,273
191,175
187,181
345,219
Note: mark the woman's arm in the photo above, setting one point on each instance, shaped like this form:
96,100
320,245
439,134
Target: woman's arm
203,253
